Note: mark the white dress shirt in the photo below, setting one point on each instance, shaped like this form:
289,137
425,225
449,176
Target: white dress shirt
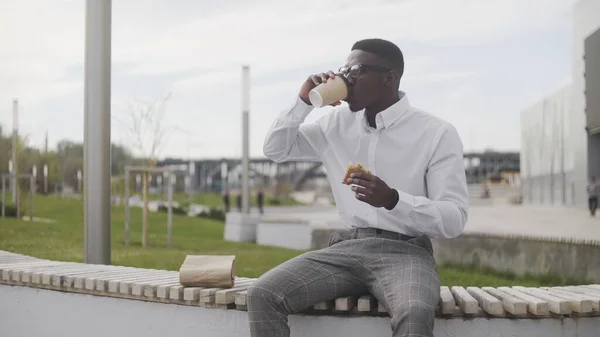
418,154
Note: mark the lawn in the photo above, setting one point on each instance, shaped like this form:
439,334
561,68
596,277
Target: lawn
64,241
216,200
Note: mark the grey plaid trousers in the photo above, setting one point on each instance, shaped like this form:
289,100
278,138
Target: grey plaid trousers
400,273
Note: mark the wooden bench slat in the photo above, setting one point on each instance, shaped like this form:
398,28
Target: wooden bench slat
91,281
448,304
535,306
27,275
510,303
101,283
56,275
227,296
16,274
151,290
192,293
71,278
136,287
176,293
241,299
487,302
366,303
557,305
324,306
7,271
208,295
579,303
465,301
346,303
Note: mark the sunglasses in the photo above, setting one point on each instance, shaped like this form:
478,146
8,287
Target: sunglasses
359,69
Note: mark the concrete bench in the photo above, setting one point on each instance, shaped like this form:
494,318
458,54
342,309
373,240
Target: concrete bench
74,299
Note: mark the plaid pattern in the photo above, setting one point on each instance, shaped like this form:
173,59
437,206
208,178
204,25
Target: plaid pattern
400,274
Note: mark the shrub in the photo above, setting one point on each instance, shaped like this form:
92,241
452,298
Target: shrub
274,202
213,213
176,210
11,211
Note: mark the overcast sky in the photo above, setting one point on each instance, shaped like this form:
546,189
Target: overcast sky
475,63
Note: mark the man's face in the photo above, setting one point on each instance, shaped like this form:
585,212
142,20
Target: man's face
368,77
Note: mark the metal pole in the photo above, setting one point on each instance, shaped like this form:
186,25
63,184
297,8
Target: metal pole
3,197
126,201
245,138
31,192
45,179
96,167
170,212
17,204
15,136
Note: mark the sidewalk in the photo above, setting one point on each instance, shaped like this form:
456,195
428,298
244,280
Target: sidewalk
544,221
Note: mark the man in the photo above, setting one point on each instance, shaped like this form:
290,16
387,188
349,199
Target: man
417,190
226,200
592,191
260,199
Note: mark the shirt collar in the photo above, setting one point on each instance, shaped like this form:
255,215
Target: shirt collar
390,115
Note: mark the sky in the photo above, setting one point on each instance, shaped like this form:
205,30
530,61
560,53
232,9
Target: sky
474,63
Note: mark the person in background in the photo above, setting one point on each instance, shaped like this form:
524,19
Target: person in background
238,200
592,191
260,201
226,201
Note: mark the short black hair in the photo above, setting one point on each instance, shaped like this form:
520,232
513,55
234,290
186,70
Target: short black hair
385,49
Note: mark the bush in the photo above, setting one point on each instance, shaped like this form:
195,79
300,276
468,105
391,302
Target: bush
176,210
213,213
274,202
11,211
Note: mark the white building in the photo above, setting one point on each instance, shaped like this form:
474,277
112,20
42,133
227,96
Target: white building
547,162
557,158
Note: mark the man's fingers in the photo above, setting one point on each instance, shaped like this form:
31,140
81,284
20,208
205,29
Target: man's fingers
363,175
364,198
361,190
361,182
316,79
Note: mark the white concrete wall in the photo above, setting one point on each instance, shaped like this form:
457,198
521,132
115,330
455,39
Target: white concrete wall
29,312
586,19
286,235
547,157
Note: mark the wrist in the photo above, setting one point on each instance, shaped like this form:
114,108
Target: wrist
393,200
305,99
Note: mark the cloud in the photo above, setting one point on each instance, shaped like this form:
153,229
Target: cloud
200,47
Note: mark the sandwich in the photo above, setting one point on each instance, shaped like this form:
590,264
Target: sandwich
354,169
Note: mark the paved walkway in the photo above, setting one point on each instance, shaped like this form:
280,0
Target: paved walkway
534,220
543,221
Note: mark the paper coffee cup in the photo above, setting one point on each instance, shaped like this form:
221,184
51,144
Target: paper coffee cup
326,93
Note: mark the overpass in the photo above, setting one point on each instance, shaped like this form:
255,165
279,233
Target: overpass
214,174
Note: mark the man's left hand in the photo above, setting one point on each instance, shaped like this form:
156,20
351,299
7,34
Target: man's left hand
372,190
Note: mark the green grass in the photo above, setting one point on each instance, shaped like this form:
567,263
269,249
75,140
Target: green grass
216,200
63,241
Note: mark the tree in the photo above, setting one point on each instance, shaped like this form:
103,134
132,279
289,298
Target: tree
147,132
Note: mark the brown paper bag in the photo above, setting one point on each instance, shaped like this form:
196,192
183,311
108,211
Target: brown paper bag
216,271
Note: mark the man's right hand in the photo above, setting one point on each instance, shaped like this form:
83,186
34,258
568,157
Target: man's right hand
311,82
